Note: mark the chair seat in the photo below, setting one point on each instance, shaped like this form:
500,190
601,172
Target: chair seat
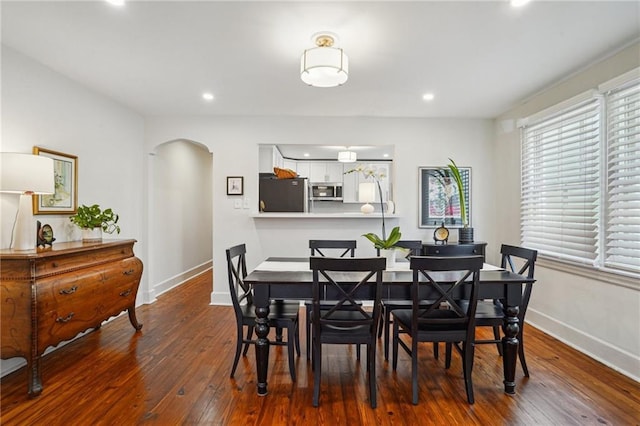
403,316
488,312
353,333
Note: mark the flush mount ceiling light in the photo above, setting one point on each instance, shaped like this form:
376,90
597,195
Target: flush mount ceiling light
347,157
324,65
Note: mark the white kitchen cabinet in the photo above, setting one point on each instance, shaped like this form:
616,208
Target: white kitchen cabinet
353,180
302,168
290,164
269,156
325,171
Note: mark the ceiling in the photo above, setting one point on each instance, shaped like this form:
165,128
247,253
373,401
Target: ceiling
479,58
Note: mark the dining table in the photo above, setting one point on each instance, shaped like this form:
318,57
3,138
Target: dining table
291,278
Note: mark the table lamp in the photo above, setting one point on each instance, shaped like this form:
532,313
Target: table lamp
367,194
25,174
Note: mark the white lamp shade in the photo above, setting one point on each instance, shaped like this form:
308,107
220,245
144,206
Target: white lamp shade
20,173
367,192
347,157
324,67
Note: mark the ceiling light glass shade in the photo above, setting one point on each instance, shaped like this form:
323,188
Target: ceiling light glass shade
324,67
347,157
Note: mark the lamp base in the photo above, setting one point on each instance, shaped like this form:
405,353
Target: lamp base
24,229
367,209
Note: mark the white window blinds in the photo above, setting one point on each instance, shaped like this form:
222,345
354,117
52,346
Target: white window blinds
622,242
561,183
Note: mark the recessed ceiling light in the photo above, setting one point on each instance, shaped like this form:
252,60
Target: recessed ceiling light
116,2
207,96
306,154
428,96
518,3
385,155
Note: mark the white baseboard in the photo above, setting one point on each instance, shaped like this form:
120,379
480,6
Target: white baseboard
620,360
221,298
176,280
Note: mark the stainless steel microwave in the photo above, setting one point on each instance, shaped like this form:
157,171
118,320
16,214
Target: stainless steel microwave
326,191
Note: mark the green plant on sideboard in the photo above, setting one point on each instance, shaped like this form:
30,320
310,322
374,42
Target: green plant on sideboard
91,217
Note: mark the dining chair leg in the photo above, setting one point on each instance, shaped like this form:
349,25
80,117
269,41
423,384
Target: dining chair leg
317,361
290,351
394,362
308,324
371,357
436,350
382,319
238,350
387,323
523,361
414,369
249,336
447,354
297,337
468,352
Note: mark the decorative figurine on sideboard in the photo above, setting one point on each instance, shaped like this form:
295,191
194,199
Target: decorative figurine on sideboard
44,235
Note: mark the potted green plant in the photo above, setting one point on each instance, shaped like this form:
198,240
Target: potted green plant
93,221
382,243
465,234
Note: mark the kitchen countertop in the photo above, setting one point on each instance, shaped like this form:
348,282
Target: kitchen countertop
351,215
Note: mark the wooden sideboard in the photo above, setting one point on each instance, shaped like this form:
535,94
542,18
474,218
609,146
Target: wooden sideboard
50,295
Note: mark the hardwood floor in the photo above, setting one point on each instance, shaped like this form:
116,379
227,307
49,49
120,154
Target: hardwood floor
176,371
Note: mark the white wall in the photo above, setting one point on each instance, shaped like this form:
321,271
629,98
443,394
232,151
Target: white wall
43,108
180,221
234,141
596,313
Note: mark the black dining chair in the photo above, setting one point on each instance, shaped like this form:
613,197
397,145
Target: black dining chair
449,250
490,313
345,321
281,315
437,324
337,248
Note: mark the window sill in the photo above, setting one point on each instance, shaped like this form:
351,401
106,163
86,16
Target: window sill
622,279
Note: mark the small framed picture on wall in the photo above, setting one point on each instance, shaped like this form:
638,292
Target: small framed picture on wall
235,185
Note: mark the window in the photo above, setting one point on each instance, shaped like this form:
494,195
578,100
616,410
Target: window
622,246
581,179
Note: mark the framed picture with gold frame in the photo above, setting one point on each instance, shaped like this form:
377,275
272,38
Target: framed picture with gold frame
65,198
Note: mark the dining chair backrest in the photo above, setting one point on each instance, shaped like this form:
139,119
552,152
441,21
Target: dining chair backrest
330,272
346,247
240,291
521,261
456,319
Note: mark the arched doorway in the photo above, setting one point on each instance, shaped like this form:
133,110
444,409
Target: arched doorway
180,214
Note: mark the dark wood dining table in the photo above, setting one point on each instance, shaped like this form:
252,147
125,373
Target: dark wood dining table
291,278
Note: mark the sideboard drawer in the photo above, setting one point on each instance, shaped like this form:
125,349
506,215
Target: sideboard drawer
64,263
76,301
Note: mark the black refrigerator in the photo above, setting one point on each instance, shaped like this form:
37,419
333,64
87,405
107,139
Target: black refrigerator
283,195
